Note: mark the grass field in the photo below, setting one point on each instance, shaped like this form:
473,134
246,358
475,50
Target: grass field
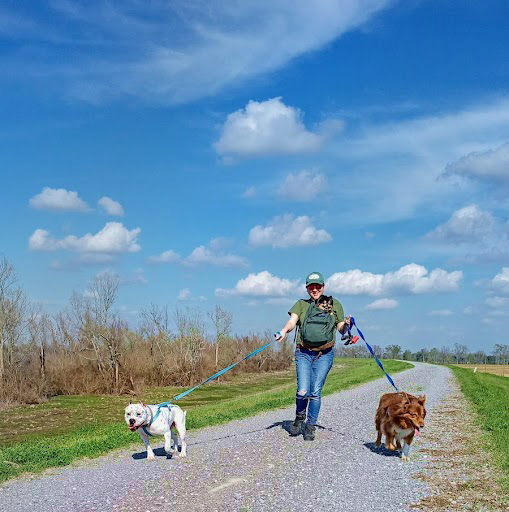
497,369
64,429
489,395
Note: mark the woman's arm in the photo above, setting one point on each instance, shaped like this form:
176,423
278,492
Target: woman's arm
342,325
290,326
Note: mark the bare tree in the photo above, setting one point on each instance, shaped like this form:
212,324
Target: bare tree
501,353
222,321
480,356
39,328
96,325
13,306
191,331
155,325
113,337
104,292
445,355
460,351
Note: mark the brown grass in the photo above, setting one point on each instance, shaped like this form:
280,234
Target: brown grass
497,369
142,363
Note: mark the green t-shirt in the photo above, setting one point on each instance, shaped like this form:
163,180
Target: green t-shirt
301,306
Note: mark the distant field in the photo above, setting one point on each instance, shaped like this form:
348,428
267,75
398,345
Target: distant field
497,369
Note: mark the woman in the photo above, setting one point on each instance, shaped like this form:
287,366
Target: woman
314,353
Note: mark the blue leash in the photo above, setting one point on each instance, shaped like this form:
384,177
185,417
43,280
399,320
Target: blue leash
228,368
218,374
352,321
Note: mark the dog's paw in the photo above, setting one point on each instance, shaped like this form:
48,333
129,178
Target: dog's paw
391,447
404,458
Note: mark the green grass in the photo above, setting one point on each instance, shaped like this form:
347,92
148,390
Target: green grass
489,394
72,427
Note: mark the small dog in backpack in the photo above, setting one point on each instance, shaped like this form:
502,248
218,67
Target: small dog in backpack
325,303
156,420
399,416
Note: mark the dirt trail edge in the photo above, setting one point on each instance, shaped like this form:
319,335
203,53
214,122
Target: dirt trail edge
253,465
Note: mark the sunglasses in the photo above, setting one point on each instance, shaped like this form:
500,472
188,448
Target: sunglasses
315,286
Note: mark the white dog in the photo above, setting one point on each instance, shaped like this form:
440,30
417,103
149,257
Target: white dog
157,420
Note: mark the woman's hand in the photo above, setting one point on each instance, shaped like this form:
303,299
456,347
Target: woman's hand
280,336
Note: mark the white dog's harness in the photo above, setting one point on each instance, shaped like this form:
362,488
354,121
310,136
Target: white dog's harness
154,417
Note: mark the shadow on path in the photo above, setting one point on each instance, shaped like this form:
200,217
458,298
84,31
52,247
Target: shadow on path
382,450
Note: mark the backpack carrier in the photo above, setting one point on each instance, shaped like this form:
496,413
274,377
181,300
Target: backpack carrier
318,326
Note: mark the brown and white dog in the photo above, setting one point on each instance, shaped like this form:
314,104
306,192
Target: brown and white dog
399,416
157,420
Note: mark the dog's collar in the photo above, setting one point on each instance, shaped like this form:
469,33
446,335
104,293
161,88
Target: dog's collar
145,425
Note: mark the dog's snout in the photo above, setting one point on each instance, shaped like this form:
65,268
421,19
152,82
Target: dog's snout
132,421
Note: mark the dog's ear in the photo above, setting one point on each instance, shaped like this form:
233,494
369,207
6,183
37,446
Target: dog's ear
421,399
130,403
388,412
142,404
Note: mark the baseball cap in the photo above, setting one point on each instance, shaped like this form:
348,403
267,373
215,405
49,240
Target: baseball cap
314,277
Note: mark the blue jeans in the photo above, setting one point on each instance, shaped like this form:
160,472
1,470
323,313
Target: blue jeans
312,370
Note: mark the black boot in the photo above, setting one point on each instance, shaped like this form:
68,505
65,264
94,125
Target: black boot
309,432
296,426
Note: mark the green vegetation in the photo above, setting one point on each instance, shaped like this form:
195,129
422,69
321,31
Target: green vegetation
489,395
71,427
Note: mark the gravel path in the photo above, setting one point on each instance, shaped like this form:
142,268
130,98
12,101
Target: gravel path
253,465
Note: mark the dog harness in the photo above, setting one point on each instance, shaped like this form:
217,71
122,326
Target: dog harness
154,417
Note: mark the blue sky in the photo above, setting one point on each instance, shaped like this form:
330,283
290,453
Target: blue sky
216,153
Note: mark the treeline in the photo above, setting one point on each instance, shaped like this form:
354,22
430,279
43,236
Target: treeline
88,348
445,355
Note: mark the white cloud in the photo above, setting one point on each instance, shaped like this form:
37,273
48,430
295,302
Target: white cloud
165,257
212,254
110,206
500,282
410,278
203,254
383,304
465,225
492,164
441,312
288,231
184,294
302,186
183,51
266,128
497,302
113,238
263,284
58,200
